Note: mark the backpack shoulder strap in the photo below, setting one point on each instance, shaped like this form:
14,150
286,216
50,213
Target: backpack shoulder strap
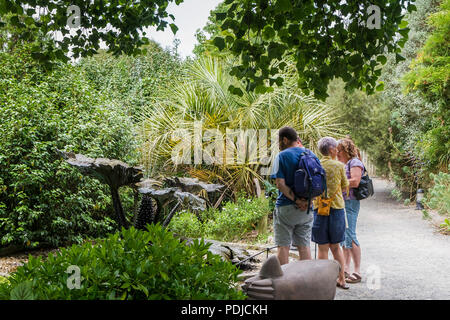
301,157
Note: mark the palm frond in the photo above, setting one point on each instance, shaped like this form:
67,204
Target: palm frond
203,97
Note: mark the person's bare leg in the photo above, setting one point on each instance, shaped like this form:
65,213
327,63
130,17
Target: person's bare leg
323,251
347,259
283,254
304,253
356,256
338,255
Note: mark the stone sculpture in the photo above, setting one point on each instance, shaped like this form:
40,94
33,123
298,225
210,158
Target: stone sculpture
299,280
192,185
173,196
114,173
176,192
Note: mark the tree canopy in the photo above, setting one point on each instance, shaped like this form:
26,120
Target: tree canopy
119,23
346,39
327,39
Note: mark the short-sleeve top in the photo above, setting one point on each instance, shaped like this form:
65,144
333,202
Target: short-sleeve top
355,162
284,167
336,181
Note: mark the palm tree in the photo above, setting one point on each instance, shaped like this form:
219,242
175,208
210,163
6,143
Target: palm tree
201,101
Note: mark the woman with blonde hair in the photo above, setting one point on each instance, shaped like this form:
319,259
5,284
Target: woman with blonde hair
348,153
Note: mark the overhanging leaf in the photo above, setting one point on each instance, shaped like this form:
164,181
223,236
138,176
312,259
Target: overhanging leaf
284,5
380,87
174,28
219,42
382,59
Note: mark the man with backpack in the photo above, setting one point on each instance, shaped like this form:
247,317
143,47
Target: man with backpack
292,220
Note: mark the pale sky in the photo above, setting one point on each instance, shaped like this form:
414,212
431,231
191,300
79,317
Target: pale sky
189,16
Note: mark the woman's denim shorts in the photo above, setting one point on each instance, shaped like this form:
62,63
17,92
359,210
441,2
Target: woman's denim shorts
352,211
329,229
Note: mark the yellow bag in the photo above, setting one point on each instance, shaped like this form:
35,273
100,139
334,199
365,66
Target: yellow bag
324,206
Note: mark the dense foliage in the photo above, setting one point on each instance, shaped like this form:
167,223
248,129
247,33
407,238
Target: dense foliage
430,70
86,108
326,39
204,36
438,197
132,81
230,223
430,75
42,199
130,265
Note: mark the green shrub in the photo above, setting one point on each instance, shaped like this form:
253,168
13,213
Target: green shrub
236,219
230,223
187,224
396,194
3,280
131,265
438,197
42,198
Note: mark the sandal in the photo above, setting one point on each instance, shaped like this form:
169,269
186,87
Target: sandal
354,278
344,286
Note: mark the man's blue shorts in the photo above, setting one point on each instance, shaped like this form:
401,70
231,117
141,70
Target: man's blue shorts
329,229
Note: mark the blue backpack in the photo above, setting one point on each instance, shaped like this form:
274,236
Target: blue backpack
309,180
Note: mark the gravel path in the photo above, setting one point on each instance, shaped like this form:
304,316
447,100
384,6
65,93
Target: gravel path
10,263
410,256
